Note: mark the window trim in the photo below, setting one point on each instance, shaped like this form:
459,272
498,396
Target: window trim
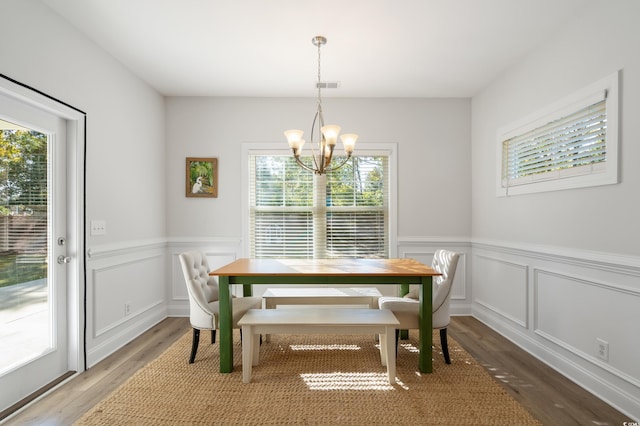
365,149
602,174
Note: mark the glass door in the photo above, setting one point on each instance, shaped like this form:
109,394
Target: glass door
33,258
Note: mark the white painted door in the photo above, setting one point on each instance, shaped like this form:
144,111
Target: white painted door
34,347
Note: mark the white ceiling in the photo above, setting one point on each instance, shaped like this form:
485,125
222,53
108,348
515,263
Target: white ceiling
375,48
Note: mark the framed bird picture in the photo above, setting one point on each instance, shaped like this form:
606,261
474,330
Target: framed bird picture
202,177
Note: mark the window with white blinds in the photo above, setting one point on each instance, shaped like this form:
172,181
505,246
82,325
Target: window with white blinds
296,214
574,145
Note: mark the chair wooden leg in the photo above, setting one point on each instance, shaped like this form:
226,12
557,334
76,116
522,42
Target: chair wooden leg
213,336
443,342
194,345
445,345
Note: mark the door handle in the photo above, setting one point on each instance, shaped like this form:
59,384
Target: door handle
63,259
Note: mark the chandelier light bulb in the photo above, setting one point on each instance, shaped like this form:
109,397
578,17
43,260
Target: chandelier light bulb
294,137
330,133
349,142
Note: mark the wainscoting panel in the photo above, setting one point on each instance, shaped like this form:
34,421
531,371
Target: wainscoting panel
501,286
580,313
126,290
126,294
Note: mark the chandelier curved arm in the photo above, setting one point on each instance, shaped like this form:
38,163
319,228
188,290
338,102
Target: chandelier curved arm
304,166
319,164
334,168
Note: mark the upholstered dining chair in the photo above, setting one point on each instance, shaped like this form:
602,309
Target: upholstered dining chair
203,298
406,308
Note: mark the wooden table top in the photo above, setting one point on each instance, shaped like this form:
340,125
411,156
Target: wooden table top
326,267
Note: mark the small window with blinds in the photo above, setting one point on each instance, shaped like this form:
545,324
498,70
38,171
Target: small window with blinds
571,144
296,214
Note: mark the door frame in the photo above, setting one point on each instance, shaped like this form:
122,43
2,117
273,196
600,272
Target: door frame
76,175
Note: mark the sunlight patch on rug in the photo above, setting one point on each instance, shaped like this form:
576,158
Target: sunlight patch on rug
325,347
410,348
347,381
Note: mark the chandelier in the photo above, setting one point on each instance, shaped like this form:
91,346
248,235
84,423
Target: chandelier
327,135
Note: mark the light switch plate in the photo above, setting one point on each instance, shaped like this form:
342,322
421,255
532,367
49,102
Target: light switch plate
98,227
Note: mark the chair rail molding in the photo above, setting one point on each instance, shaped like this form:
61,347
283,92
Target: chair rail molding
99,251
613,262
435,241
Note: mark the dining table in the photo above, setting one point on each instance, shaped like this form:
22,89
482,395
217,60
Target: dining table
401,272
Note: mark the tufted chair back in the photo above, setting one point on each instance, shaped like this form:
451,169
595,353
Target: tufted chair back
445,262
204,303
202,288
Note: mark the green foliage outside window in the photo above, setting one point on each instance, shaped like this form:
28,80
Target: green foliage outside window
23,170
23,205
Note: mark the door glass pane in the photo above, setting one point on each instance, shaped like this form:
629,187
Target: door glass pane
24,292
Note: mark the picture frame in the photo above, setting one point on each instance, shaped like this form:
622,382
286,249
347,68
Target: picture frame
201,177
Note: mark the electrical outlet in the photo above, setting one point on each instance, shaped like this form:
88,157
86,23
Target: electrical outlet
603,349
127,308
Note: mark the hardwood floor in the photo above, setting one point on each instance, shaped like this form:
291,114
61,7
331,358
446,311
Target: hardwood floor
549,397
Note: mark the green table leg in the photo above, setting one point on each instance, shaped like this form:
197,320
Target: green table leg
404,289
225,323
425,362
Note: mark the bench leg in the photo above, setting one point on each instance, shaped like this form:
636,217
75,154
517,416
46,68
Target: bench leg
269,304
383,349
247,352
255,343
389,339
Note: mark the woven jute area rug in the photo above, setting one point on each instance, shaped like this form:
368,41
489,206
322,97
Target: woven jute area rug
309,380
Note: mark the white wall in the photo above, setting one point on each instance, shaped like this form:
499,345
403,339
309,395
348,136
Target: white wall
125,151
556,271
125,117
433,146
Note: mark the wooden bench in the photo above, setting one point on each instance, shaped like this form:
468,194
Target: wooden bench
275,296
318,321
